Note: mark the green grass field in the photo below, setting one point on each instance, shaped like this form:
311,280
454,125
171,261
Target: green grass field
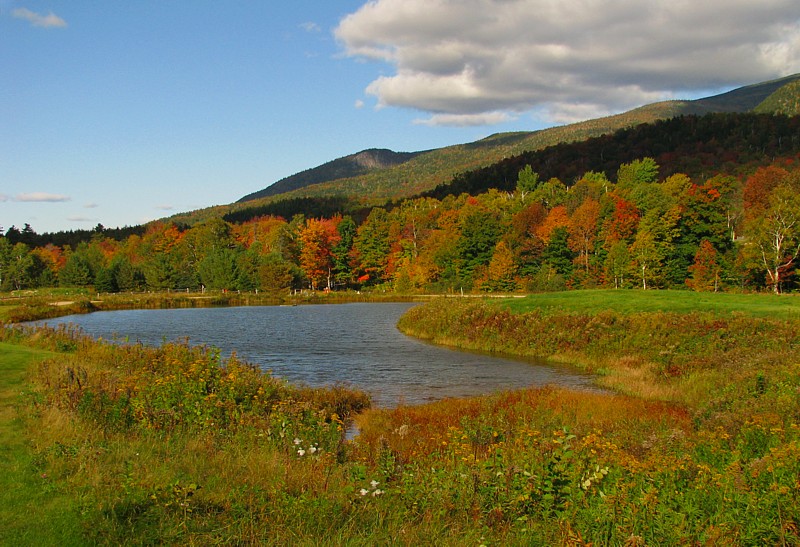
32,510
628,302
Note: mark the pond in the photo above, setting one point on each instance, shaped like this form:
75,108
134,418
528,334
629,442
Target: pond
355,344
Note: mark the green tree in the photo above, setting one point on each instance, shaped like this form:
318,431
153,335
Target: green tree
637,172
159,272
557,253
647,258
219,269
371,246
22,267
275,274
527,182
78,271
342,271
617,264
480,231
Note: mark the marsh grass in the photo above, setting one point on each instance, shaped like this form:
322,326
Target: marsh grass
174,445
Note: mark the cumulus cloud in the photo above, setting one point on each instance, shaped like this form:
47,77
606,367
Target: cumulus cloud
41,196
566,59
51,20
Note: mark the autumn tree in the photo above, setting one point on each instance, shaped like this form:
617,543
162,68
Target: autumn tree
775,235
705,271
623,223
500,274
583,231
759,186
521,237
317,241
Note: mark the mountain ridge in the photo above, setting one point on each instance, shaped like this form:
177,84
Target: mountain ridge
424,171
327,182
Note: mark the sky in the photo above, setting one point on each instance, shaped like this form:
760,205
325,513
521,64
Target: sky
118,113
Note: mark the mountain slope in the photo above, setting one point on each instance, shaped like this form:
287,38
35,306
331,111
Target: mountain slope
349,166
785,100
424,171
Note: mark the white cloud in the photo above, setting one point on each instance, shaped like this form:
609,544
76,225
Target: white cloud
3,197
164,207
359,104
51,20
566,59
42,197
464,120
80,219
91,206
310,26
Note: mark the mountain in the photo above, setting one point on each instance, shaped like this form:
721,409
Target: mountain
350,166
330,188
398,175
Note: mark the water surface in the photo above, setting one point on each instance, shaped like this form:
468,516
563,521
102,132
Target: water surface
356,344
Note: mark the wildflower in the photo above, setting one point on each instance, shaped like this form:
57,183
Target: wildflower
312,449
377,492
296,441
373,483
301,452
364,491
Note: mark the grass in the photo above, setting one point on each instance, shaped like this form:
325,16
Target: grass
172,445
33,511
633,301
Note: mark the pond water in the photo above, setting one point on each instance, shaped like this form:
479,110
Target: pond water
356,344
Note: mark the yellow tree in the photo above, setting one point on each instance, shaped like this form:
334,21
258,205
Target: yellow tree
583,231
501,272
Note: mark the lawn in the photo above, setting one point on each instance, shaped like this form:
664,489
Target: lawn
32,510
634,301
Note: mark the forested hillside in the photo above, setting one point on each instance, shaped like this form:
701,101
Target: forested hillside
640,227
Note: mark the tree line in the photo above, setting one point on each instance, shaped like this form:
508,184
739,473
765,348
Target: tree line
636,229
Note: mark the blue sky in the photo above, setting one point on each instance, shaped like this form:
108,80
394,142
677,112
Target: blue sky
123,112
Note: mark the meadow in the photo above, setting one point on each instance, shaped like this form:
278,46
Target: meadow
698,443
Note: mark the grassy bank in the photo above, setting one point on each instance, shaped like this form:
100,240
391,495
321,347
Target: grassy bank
174,445
628,302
